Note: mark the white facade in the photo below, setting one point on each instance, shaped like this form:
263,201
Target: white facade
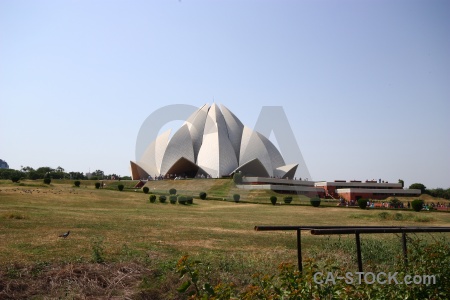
212,142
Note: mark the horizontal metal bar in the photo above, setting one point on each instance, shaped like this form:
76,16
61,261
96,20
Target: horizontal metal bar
378,230
312,227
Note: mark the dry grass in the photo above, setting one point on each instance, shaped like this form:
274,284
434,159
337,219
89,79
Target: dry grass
137,238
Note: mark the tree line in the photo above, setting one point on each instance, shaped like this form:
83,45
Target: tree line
438,192
58,173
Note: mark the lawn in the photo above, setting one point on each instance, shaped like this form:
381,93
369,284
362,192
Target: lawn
124,227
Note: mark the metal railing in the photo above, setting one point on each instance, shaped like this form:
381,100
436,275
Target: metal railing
356,230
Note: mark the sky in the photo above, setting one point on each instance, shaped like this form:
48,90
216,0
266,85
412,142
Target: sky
365,85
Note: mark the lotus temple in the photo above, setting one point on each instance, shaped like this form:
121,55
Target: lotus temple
212,143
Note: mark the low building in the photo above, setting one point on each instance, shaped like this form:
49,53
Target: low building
339,189
354,190
280,185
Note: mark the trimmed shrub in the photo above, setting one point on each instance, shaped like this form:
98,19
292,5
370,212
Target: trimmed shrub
362,203
152,198
145,189
173,199
417,205
47,180
15,178
315,201
273,199
189,200
182,200
77,183
202,195
287,199
236,197
237,178
172,191
120,187
162,199
395,203
97,185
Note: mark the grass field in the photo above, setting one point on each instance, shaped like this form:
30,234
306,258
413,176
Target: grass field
125,228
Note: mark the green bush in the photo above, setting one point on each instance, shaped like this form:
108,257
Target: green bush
417,205
173,199
395,203
315,201
182,200
162,199
120,187
189,200
236,197
362,203
237,178
287,199
273,199
152,198
202,195
77,183
47,180
97,185
145,189
172,191
15,178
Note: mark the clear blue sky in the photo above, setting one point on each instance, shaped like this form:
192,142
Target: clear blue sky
365,84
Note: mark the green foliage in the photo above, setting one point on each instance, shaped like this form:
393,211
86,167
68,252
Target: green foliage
314,282
402,182
152,198
418,186
273,199
362,203
120,187
182,200
172,191
236,197
202,195
287,199
16,176
315,201
145,189
162,199
237,178
47,180
417,205
395,203
189,200
97,185
173,199
77,183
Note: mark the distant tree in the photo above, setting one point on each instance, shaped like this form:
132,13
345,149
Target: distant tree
47,180
402,182
77,183
59,169
418,186
98,173
16,176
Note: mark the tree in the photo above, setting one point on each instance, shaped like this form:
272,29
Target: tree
362,203
273,199
315,201
418,186
417,204
402,182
